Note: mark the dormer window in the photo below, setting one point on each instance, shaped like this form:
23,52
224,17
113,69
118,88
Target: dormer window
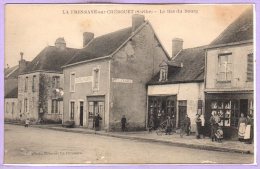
163,74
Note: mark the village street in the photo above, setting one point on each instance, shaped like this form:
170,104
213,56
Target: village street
35,145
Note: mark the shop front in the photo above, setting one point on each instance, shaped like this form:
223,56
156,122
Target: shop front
160,107
228,107
96,105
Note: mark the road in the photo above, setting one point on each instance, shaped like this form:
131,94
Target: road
41,146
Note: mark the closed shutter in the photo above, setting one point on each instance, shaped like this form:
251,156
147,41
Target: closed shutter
250,67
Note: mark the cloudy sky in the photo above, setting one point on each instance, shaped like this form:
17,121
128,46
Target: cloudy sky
30,28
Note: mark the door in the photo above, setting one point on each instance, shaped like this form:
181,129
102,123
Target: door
244,106
182,111
81,113
96,105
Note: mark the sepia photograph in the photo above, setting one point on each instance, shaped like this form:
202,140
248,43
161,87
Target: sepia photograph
129,84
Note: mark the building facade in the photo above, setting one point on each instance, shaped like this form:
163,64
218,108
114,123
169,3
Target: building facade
109,75
40,85
229,83
178,89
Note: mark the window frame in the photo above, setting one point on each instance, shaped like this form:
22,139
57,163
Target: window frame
94,87
26,84
228,66
72,113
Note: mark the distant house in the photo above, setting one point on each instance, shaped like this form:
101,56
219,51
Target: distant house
109,75
40,85
229,85
178,88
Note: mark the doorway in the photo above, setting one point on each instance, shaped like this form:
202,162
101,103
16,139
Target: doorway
81,113
182,106
244,106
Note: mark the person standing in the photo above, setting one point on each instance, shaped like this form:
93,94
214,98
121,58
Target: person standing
198,126
214,126
97,118
187,125
123,123
202,125
169,125
242,122
27,122
249,134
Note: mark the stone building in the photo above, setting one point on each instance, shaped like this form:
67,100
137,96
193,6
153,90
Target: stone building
229,84
178,88
40,85
109,75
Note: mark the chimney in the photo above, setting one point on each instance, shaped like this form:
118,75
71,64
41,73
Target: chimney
137,20
22,63
60,43
87,37
177,45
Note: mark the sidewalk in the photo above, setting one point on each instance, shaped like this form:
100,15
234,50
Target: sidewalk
175,139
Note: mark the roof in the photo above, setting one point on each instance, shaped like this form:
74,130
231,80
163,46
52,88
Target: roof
13,93
11,72
102,46
191,69
50,58
239,30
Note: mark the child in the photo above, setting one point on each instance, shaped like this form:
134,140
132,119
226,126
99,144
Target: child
27,122
219,134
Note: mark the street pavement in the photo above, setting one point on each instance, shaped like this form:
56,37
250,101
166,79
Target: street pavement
43,146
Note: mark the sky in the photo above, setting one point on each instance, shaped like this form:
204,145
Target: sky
30,28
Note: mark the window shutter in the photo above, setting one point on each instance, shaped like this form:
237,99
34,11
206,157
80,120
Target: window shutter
250,67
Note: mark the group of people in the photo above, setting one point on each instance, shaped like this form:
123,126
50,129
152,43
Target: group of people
217,133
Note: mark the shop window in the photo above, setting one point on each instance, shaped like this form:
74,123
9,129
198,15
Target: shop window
163,74
227,110
26,84
56,82
96,75
224,67
33,83
90,110
72,82
72,110
250,67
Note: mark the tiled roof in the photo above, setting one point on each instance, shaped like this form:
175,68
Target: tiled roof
11,72
102,46
192,70
50,58
240,30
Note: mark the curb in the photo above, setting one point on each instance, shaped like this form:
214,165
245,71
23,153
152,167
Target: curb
200,147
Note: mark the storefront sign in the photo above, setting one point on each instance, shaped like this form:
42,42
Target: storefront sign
116,80
83,79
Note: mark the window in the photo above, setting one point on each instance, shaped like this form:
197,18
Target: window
7,107
224,67
72,82
90,110
72,110
56,82
96,73
26,84
250,67
163,74
54,106
33,83
12,108
25,105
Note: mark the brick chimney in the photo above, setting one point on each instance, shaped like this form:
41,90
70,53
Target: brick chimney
22,63
137,20
87,37
177,46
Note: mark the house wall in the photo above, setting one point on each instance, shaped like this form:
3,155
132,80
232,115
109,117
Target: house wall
239,67
10,84
192,92
11,109
84,89
39,100
131,68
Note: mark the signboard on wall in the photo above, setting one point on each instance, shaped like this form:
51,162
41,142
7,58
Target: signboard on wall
83,79
117,80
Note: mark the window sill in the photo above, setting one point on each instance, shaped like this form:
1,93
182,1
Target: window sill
229,81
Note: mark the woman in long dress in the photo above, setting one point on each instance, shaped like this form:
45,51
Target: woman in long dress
242,122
